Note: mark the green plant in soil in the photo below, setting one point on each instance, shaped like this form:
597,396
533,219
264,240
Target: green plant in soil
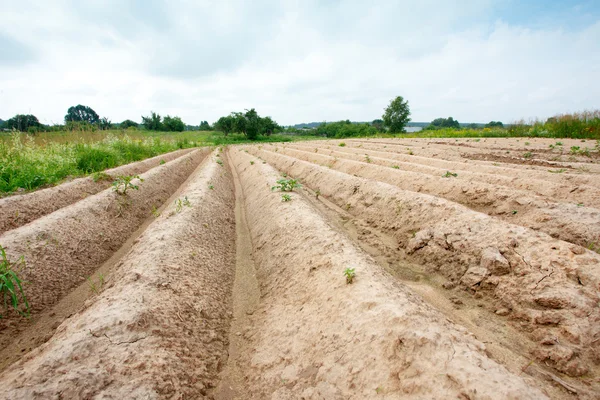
317,193
96,288
286,185
155,212
367,158
342,144
162,162
179,204
527,155
396,166
251,162
286,197
219,161
449,174
123,183
11,287
349,273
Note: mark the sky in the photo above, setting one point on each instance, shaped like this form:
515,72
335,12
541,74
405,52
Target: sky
300,61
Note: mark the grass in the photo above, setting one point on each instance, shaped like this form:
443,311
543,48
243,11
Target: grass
11,287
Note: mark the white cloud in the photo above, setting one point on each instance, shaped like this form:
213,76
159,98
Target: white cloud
296,61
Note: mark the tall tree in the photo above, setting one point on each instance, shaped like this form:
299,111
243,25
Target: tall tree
269,126
253,126
153,122
80,113
128,124
225,124
173,124
397,115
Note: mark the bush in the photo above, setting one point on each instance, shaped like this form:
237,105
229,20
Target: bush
91,159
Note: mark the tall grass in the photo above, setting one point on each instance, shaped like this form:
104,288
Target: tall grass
25,164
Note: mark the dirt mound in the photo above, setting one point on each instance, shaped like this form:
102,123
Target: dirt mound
63,249
16,211
549,288
339,341
159,328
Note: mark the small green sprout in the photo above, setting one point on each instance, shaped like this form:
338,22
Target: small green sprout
251,162
527,155
162,162
101,176
286,197
349,273
396,166
219,161
514,212
449,174
342,144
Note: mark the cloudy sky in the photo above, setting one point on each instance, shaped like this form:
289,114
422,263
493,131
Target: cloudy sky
299,61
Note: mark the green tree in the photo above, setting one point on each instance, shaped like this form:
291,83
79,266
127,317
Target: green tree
443,123
22,122
80,113
173,124
396,115
225,124
105,124
128,124
204,126
153,122
494,124
269,126
253,124
378,124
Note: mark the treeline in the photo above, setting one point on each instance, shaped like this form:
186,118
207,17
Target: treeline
84,118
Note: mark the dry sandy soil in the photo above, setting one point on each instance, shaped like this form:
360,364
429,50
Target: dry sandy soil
477,276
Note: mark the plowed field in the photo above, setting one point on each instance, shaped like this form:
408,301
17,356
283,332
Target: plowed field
477,275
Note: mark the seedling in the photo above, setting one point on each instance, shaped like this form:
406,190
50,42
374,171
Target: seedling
349,273
162,162
286,185
155,212
410,153
286,197
527,155
579,204
367,158
559,143
11,287
123,183
395,166
526,143
557,171
211,187
251,162
514,212
179,204
342,144
317,193
93,287
219,161
449,174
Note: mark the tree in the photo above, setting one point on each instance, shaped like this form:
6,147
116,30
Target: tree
105,124
269,126
81,113
128,124
377,124
22,122
153,122
443,123
204,126
494,124
225,124
397,115
253,125
173,124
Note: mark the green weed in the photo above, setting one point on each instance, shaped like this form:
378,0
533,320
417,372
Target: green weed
396,166
11,286
179,204
123,183
342,144
155,212
286,185
101,176
286,197
527,155
349,273
449,174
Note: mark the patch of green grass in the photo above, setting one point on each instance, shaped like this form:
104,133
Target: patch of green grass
11,287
